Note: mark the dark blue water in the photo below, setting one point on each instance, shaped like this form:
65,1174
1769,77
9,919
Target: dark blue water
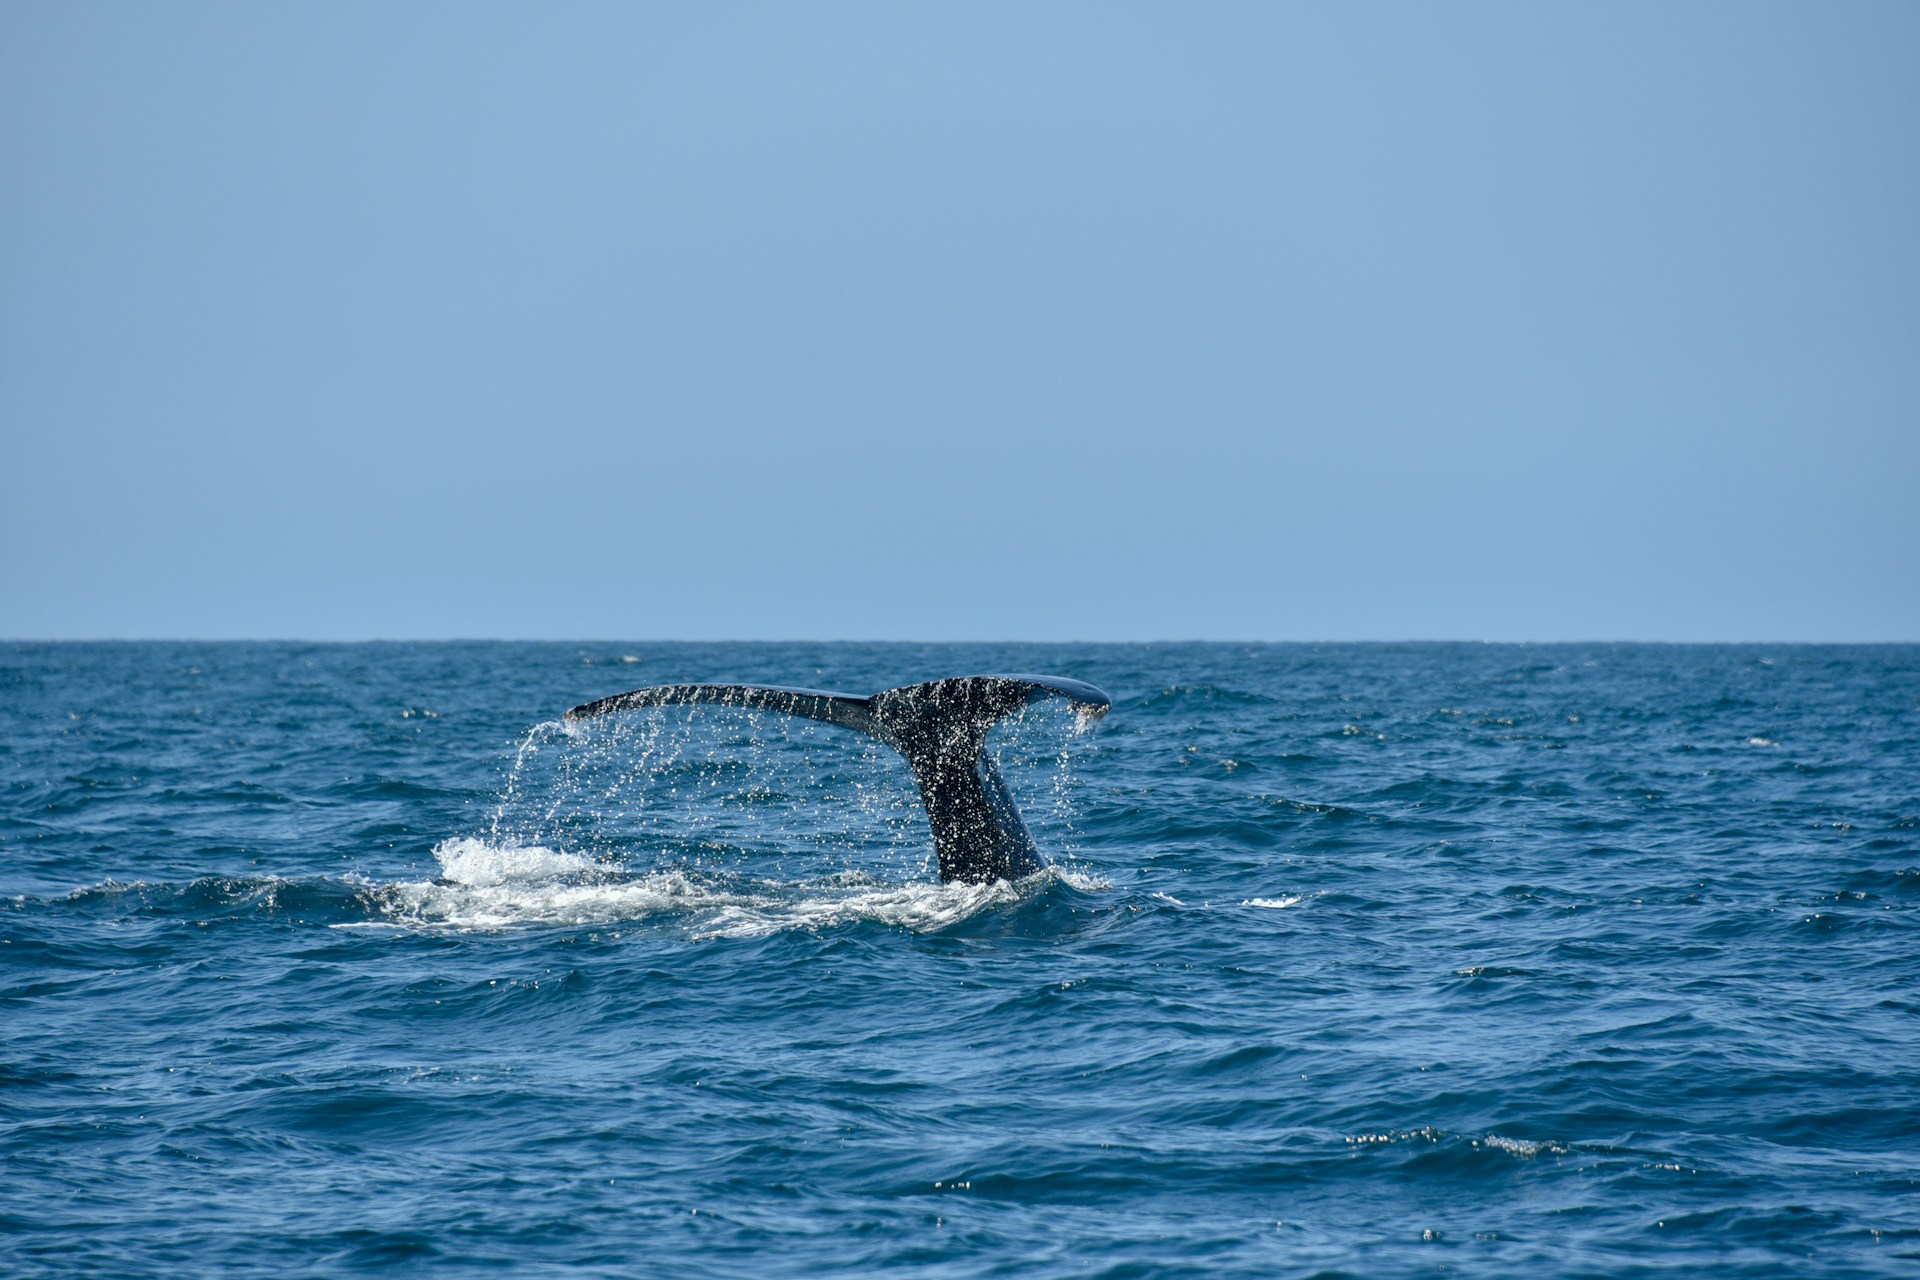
1358,959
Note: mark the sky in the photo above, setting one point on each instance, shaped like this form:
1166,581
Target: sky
1052,321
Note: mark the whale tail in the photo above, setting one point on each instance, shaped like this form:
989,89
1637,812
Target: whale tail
941,728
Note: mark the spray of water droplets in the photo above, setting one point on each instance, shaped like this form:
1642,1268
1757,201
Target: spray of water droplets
747,820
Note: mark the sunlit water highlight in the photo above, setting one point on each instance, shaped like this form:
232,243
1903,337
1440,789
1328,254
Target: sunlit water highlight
1356,959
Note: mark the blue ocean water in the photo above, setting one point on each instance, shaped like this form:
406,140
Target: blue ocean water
1356,959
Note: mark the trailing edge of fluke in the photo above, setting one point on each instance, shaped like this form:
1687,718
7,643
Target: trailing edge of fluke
941,728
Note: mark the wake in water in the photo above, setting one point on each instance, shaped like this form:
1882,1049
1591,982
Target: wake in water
487,886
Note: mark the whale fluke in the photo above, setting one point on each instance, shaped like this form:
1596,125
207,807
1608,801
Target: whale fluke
940,727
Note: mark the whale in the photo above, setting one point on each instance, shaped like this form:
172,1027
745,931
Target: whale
940,727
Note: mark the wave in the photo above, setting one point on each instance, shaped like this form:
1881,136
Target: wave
492,885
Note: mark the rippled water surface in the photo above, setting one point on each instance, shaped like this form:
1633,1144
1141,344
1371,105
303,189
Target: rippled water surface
1355,959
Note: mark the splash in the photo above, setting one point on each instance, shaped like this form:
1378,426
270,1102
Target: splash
717,788
475,862
484,886
726,823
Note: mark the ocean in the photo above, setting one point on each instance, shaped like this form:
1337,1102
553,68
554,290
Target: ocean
1354,959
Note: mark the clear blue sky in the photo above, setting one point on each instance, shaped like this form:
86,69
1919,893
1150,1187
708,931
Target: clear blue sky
964,321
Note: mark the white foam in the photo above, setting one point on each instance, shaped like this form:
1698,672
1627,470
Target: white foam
923,908
507,904
501,886
1275,904
1521,1147
469,861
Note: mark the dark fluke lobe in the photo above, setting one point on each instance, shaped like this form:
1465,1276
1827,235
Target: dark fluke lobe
941,728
